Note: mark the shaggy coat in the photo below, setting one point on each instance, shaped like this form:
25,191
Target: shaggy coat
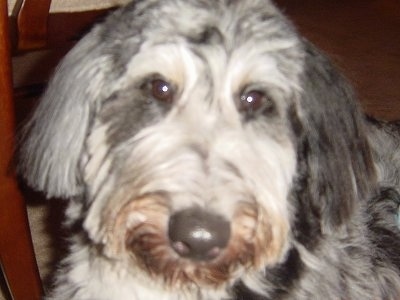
218,106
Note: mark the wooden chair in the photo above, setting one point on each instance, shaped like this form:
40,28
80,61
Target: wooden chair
17,257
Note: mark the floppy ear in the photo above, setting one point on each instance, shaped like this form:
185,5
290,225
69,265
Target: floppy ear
335,166
53,140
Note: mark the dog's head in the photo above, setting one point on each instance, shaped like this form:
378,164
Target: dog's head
202,137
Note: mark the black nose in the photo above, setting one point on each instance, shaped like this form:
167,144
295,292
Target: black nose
198,234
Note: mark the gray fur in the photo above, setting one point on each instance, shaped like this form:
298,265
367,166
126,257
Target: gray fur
323,180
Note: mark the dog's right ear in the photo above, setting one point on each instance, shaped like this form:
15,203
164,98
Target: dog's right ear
53,139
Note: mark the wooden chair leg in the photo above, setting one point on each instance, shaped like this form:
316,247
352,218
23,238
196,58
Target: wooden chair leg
16,250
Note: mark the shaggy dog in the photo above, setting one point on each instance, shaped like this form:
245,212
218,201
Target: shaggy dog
207,151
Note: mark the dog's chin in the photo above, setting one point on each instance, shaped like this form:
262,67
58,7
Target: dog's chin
138,235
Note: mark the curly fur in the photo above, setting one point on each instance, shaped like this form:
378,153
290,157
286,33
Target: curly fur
308,184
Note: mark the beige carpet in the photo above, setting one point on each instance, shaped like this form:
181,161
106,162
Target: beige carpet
44,250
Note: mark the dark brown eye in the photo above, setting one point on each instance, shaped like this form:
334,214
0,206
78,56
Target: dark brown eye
162,90
251,101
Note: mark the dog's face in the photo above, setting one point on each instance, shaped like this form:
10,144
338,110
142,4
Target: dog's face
183,128
197,130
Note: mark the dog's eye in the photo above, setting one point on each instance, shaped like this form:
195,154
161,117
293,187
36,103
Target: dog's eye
253,101
161,90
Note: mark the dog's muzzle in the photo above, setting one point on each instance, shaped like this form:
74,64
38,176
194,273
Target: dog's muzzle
193,246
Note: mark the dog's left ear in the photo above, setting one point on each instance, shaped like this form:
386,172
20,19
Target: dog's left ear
335,165
53,140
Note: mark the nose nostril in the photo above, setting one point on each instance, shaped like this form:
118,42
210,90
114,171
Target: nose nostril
181,248
197,234
214,252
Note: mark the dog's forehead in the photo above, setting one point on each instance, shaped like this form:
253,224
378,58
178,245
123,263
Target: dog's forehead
231,22
202,25
245,33
189,18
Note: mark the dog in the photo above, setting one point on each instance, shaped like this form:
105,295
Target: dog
208,151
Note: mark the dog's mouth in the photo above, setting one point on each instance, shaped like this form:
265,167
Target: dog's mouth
192,247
